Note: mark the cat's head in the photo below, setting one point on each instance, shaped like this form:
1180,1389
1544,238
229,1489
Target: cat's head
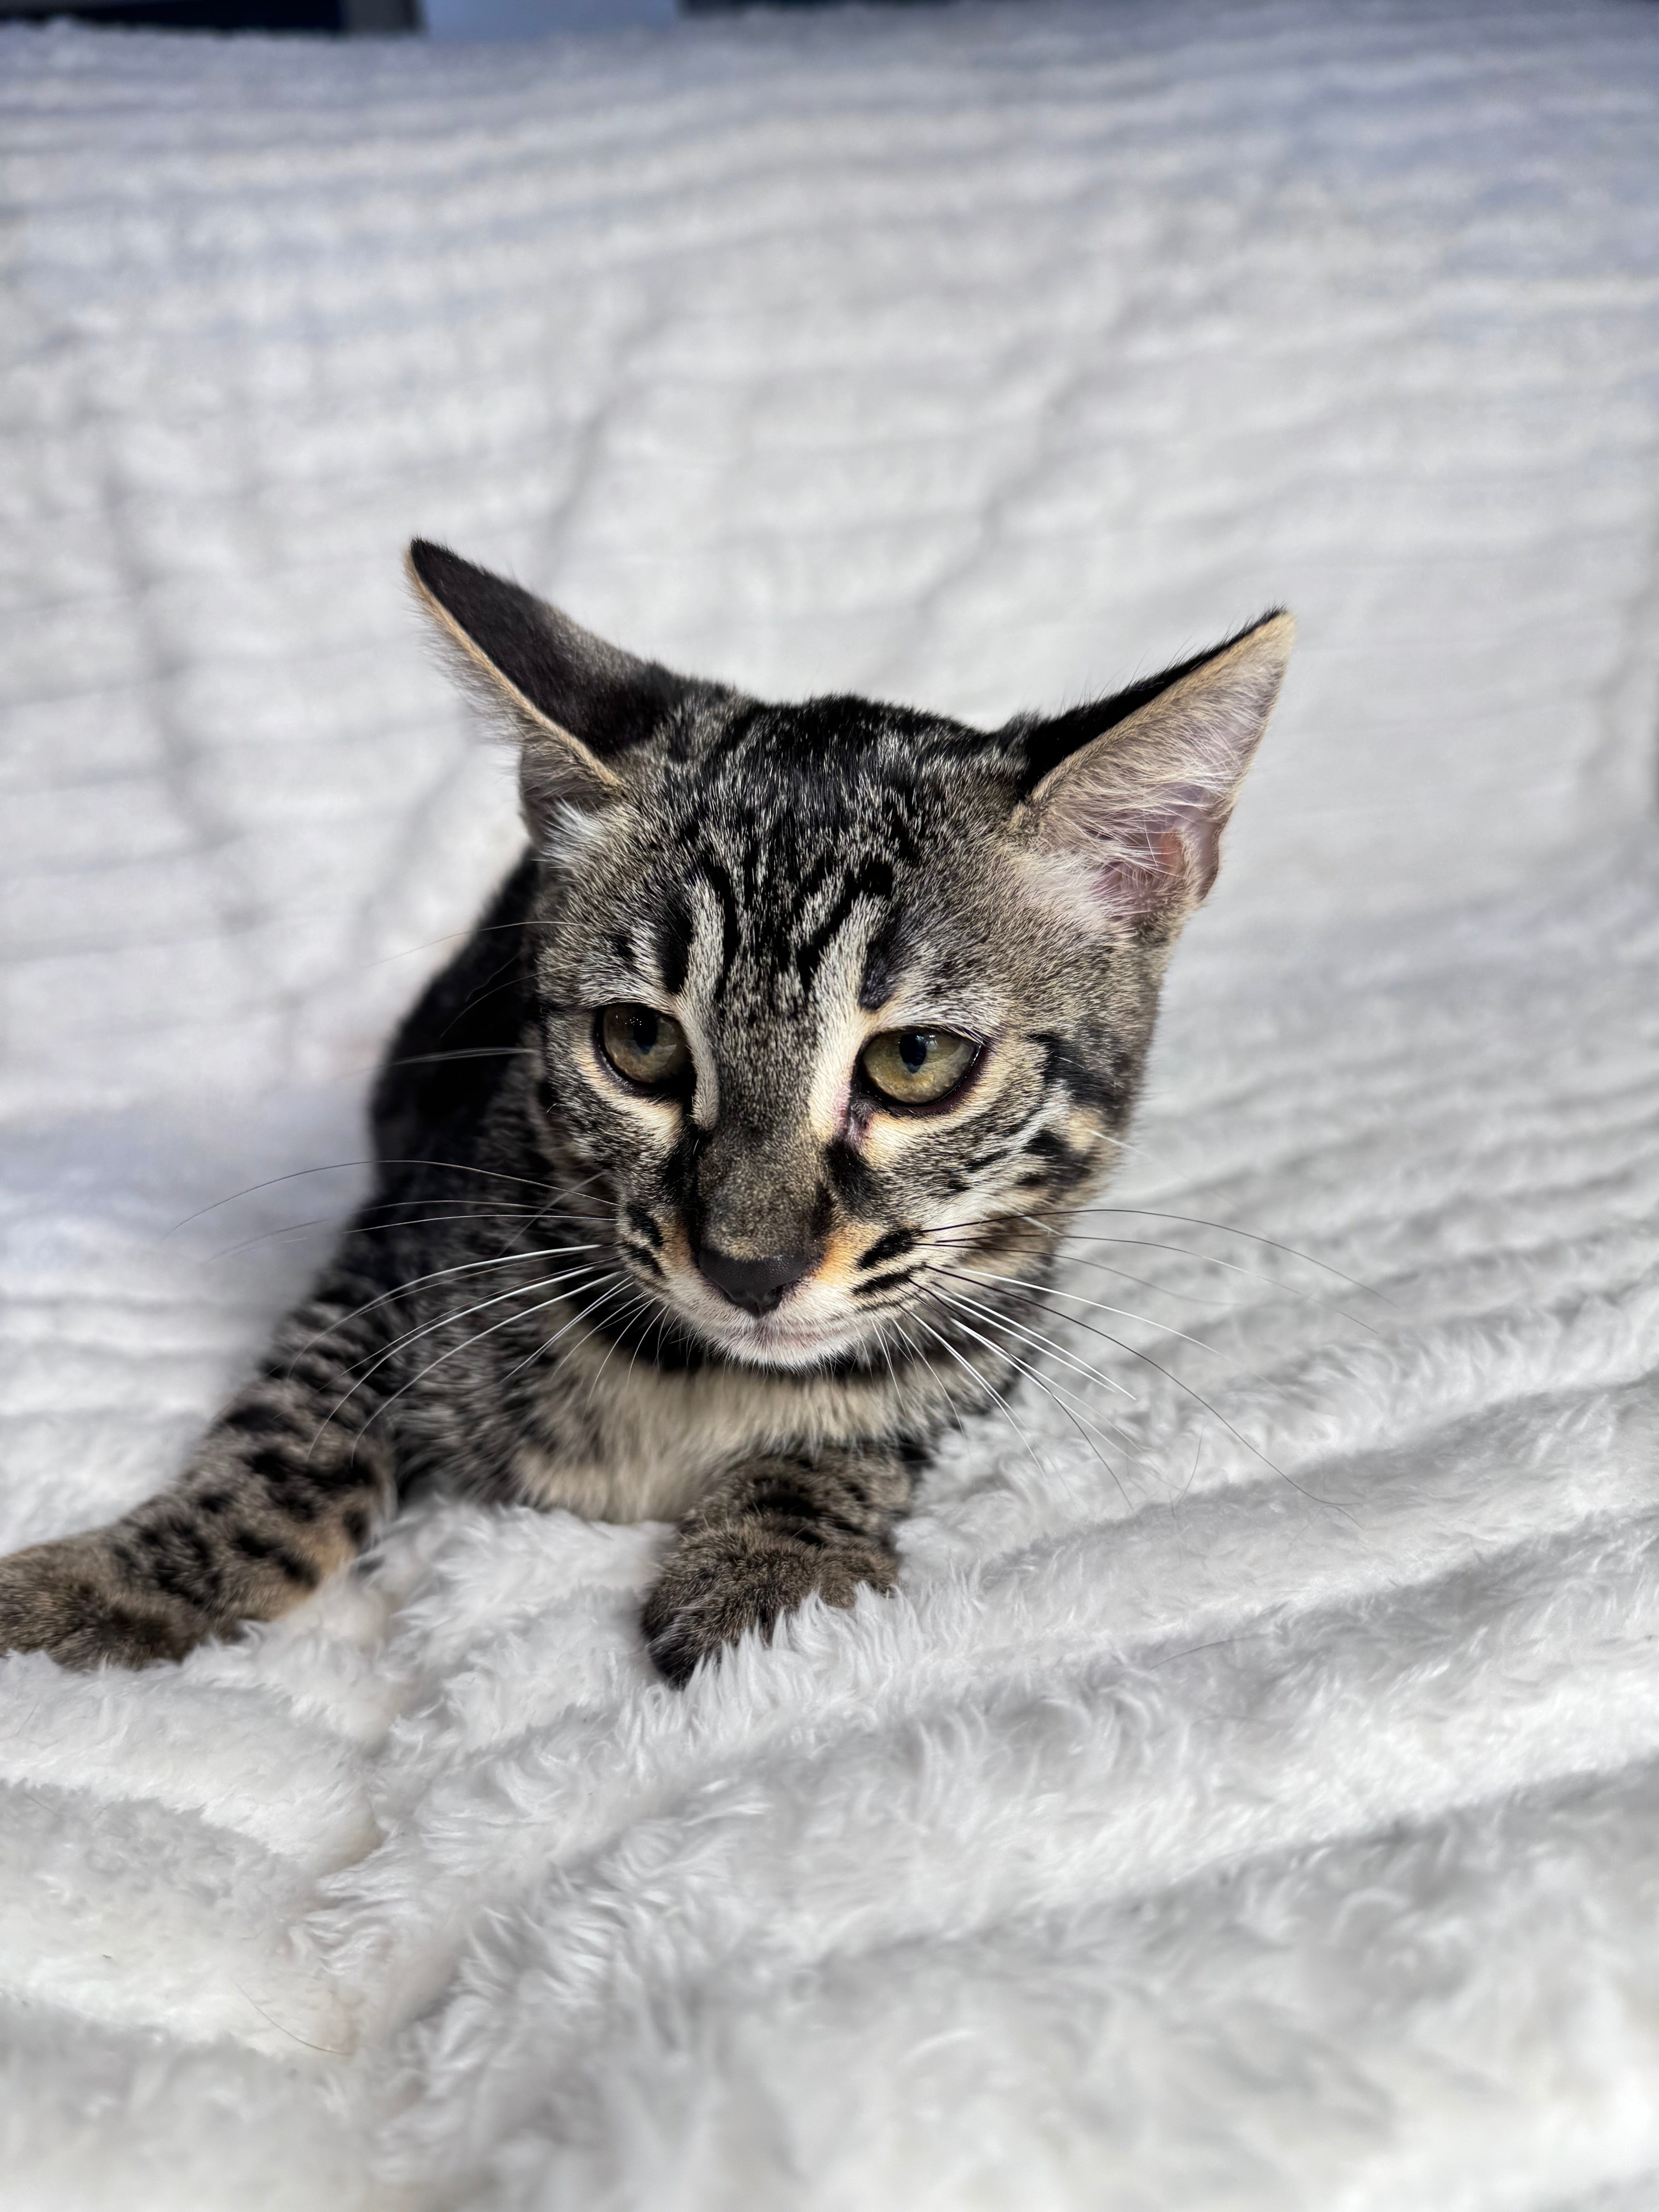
840,1005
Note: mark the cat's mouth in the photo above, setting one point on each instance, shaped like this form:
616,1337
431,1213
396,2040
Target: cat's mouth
785,1338
774,1343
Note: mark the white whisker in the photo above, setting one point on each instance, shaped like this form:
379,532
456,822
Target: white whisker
975,1246
998,1399
1034,1337
444,1321
541,1350
1226,1229
1055,1392
335,1167
1098,1305
438,1275
506,1322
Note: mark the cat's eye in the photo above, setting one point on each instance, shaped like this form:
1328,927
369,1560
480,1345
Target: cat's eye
647,1047
918,1067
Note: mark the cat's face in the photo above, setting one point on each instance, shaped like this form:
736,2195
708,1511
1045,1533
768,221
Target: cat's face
843,1008
823,1033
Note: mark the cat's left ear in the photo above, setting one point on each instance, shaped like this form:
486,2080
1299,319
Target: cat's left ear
575,704
1126,823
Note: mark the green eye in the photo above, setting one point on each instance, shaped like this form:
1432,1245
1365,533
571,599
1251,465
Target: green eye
648,1048
918,1067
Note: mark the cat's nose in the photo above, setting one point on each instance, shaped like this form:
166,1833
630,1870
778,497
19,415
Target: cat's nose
756,1286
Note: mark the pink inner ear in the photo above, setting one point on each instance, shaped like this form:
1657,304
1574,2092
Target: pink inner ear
1144,865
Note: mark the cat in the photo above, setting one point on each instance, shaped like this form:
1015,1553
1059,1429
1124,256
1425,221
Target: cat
727,1162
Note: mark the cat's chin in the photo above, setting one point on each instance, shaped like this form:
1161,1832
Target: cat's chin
772,1343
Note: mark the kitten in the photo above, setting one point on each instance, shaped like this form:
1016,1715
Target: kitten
725,1164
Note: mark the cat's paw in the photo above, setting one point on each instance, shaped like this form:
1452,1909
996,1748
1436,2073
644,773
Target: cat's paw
68,1599
723,1581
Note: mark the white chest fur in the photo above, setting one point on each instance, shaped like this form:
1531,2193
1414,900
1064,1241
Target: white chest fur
657,1441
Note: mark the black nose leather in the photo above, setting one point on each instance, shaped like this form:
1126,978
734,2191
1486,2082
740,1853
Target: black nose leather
756,1286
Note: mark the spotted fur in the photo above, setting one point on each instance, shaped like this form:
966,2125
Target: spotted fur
549,1296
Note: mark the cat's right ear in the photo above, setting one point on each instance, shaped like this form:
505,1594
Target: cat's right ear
575,704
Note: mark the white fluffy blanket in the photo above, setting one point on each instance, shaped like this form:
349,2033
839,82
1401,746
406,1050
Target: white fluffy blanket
1250,1804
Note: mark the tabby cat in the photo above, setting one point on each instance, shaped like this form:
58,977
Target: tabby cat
727,1162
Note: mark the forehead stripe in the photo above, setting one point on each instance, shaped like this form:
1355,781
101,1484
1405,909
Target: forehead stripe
883,958
874,880
712,873
673,941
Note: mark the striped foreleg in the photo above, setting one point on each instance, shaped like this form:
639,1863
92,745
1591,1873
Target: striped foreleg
288,1485
774,1532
